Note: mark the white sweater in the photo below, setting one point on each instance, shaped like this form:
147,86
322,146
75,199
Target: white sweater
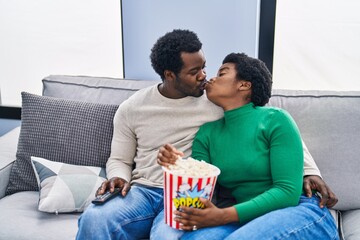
147,120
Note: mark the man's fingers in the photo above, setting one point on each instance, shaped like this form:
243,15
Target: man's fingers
307,188
164,161
173,152
98,192
101,189
112,184
169,152
125,189
169,147
161,162
166,155
323,189
324,200
332,203
332,200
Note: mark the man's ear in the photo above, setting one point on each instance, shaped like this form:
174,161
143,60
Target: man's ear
245,85
169,75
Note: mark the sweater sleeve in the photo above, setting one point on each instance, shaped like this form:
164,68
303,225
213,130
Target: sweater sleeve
310,167
123,146
201,144
286,167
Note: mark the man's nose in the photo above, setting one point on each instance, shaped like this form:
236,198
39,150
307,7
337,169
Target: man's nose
202,75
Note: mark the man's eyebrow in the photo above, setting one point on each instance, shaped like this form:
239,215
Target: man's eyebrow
198,67
195,68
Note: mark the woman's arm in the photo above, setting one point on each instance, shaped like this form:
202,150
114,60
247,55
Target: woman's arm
286,169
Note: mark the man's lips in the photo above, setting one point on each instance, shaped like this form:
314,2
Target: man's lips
203,84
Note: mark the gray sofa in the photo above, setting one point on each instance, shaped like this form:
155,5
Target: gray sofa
328,122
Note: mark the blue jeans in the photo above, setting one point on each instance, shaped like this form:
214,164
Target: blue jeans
138,215
304,221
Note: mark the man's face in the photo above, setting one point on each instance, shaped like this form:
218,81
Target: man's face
190,80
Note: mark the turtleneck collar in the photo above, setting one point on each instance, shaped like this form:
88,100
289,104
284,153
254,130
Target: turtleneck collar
236,113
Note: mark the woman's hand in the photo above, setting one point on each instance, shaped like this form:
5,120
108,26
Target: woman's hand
189,217
168,155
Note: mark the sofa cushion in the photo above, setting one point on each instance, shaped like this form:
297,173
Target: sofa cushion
62,130
8,145
20,219
93,89
66,187
329,123
350,225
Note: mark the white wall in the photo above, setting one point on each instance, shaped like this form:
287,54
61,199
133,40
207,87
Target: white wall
317,45
42,37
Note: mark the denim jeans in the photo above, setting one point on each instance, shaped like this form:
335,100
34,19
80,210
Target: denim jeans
304,221
138,215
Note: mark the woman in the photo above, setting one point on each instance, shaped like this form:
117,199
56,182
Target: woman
259,152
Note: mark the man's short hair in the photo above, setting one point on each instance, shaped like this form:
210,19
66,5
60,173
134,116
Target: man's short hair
166,52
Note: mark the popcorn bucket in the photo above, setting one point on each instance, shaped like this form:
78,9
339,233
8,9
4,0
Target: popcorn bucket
186,191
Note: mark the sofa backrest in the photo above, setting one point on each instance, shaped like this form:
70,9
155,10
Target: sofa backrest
329,125
328,121
92,89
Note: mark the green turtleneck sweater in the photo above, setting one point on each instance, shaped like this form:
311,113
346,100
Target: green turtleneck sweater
260,155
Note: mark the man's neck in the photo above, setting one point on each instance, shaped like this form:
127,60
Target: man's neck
169,91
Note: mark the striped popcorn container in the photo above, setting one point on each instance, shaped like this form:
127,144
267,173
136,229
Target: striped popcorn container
185,191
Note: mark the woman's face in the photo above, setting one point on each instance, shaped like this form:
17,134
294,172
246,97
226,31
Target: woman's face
224,87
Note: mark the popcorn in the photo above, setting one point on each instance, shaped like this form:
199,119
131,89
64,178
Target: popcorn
192,167
185,182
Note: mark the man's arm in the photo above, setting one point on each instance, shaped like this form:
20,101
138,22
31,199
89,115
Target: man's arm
123,146
310,167
313,181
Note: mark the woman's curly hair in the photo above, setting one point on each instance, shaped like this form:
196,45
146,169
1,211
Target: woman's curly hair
166,52
254,71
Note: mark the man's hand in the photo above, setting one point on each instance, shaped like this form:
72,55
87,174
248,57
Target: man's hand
168,155
313,182
113,183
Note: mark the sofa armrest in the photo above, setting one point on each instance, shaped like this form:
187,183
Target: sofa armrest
8,147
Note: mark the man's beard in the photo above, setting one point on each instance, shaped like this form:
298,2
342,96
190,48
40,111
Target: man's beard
179,86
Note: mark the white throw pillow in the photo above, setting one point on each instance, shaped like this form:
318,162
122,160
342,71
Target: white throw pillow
66,187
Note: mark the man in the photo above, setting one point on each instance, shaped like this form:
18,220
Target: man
170,112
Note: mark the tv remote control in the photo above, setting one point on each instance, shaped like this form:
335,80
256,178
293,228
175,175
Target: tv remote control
105,197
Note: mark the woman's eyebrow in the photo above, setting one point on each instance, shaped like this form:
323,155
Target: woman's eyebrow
223,68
